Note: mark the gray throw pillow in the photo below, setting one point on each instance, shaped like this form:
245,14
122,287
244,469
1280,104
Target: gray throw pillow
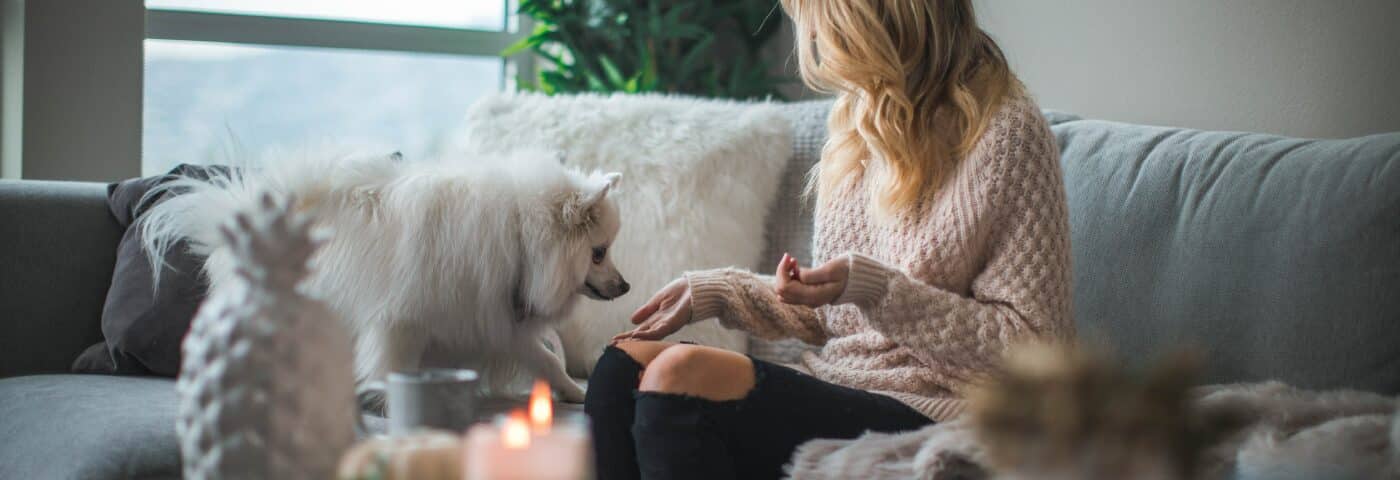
142,323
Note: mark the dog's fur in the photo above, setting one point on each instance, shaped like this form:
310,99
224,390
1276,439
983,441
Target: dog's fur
428,263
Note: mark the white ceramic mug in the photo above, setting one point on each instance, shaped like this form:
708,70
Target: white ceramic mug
436,398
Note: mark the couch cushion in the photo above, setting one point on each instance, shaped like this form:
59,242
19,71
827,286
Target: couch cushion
57,246
1279,257
88,426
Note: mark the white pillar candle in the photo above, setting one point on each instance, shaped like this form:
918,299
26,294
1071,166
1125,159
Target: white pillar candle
518,447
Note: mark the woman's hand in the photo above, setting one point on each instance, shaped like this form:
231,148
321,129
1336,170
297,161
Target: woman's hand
812,287
663,315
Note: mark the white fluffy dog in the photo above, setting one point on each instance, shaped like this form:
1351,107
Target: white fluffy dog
428,263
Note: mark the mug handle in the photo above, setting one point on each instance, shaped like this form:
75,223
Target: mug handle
373,386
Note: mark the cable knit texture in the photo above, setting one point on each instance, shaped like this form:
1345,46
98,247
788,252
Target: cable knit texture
935,298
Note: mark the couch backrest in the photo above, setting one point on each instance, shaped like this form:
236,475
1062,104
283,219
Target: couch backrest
58,243
789,228
789,225
1278,257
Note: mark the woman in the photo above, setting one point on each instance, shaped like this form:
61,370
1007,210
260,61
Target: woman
942,222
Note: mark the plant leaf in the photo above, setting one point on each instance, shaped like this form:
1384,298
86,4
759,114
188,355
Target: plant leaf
614,75
692,58
651,45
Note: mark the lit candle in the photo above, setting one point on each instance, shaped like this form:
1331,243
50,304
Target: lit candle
541,411
528,446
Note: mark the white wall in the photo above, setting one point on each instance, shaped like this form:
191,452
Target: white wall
1315,68
1312,68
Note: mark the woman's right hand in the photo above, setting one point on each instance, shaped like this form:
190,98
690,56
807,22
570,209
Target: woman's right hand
663,315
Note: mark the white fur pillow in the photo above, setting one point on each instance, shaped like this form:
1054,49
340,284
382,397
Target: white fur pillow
698,178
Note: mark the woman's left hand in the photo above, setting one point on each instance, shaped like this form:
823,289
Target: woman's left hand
812,287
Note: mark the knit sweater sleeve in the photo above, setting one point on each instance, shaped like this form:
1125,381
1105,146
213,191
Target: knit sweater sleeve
746,301
1022,290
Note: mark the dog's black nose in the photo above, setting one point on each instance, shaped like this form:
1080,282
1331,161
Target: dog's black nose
624,287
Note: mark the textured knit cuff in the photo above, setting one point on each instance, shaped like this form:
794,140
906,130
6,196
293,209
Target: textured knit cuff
866,282
707,293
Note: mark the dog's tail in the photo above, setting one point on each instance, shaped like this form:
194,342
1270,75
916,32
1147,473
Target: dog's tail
192,210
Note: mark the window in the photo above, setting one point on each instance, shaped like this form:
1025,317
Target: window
231,79
470,14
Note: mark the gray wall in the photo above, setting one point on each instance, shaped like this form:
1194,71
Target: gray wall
82,81
1311,68
78,95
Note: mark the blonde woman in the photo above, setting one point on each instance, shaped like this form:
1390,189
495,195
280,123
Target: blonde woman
942,233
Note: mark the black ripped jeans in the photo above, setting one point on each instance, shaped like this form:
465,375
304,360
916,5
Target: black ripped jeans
667,436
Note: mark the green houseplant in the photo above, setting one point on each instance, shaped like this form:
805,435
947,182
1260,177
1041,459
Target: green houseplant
697,47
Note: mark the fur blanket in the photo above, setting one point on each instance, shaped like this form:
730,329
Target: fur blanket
1285,433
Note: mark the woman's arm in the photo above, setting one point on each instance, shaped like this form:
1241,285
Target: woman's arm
745,301
1011,302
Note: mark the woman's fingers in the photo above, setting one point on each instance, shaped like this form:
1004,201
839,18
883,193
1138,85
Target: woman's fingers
649,309
633,334
651,327
796,293
624,335
808,294
822,274
650,331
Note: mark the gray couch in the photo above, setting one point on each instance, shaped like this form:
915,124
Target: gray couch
1278,257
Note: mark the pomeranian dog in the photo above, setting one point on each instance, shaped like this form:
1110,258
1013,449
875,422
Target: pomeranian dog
452,264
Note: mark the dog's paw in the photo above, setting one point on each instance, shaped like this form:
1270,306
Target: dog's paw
571,393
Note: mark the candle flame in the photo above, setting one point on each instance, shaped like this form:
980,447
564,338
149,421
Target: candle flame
541,411
515,434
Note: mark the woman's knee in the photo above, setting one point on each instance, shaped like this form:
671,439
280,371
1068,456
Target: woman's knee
643,351
619,370
705,372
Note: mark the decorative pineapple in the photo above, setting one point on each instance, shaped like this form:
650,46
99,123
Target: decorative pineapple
266,385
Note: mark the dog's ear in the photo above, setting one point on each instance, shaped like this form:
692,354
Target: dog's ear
578,210
602,183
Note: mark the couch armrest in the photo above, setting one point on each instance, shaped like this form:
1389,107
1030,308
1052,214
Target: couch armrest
58,244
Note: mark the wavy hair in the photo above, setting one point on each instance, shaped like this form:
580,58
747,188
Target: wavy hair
916,84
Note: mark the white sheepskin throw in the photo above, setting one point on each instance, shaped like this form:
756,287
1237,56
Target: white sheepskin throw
1284,433
698,178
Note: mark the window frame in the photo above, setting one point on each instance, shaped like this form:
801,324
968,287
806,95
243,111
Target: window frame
189,25
92,88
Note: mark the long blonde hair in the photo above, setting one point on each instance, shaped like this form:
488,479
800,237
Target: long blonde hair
917,82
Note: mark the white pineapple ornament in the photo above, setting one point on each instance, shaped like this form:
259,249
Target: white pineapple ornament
266,386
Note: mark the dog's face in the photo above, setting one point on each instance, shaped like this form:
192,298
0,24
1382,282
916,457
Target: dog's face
598,220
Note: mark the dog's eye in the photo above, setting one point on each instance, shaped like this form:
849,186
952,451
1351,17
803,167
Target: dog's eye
599,253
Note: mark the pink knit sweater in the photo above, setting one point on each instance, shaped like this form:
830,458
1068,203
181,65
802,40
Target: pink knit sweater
934,301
